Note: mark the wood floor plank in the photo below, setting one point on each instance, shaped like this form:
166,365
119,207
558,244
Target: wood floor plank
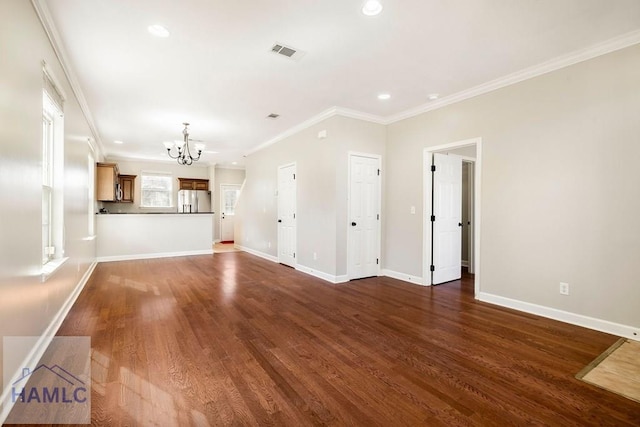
232,339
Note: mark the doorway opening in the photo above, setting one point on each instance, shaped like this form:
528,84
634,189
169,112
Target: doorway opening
439,239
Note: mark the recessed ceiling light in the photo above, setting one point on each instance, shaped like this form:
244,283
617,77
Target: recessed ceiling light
384,96
372,7
158,30
234,163
433,96
118,142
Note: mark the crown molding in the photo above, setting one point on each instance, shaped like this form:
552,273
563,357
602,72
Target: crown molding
230,167
168,160
326,114
49,27
292,131
611,45
353,114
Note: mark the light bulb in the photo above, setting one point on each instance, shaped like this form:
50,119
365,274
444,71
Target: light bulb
372,7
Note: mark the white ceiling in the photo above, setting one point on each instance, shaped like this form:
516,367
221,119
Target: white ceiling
217,72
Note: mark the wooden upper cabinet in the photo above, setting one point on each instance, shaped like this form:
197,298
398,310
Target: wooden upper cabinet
127,185
106,182
111,186
193,184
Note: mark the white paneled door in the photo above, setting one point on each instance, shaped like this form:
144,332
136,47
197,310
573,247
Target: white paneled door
446,218
228,199
364,217
287,215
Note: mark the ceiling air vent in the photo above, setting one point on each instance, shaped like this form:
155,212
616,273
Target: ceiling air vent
273,116
287,51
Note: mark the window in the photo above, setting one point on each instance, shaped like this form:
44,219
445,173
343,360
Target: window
157,190
47,181
52,174
229,198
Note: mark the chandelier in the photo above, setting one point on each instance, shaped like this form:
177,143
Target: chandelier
184,156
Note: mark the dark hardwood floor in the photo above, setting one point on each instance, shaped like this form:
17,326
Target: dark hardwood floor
232,339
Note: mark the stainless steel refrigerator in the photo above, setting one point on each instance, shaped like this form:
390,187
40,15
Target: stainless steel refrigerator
194,201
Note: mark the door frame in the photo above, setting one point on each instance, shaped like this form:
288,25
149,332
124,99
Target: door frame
426,207
471,199
378,157
295,258
221,201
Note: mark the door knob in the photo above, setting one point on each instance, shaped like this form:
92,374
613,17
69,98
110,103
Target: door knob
353,224
279,220
459,224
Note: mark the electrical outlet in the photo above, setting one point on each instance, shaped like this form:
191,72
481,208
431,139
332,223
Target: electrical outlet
413,210
269,244
564,288
315,256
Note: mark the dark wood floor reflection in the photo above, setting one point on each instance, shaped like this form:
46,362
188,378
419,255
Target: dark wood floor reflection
232,339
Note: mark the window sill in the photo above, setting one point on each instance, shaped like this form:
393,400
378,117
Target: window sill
51,267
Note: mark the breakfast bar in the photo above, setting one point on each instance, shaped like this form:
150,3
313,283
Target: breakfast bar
153,235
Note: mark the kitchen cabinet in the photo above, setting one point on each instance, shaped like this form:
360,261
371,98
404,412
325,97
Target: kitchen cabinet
194,184
127,184
113,187
107,182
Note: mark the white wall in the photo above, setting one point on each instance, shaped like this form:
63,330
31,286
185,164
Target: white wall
134,167
322,172
28,306
559,186
223,176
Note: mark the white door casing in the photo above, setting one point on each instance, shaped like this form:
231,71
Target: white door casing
287,215
228,199
363,236
447,218
477,203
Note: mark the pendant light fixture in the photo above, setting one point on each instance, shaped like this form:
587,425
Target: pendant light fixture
184,156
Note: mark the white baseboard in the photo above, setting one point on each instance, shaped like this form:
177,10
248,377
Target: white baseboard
257,253
36,353
416,280
153,255
464,263
322,275
563,316
298,267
